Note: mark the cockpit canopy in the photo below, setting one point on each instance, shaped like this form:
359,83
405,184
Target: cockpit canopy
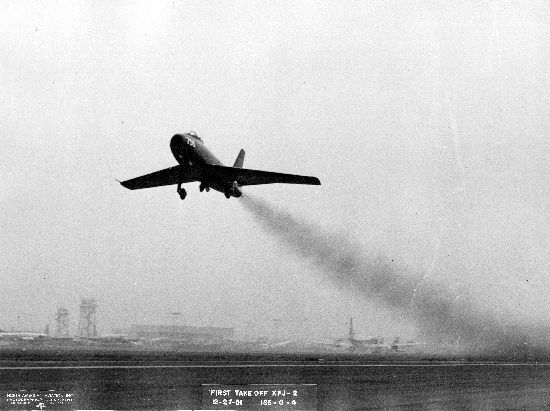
194,135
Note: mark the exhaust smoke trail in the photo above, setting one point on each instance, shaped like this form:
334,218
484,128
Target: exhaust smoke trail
438,313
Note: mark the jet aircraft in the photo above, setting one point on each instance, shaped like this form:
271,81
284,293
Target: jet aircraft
350,343
197,163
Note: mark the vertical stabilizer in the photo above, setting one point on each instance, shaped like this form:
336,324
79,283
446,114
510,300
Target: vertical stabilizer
240,160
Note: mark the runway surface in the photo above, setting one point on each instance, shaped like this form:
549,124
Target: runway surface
96,382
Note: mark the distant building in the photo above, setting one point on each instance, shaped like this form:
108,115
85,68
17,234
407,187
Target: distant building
87,326
179,333
62,323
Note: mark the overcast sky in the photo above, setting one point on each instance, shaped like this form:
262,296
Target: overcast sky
427,124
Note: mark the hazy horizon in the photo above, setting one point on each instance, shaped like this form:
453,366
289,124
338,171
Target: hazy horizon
427,124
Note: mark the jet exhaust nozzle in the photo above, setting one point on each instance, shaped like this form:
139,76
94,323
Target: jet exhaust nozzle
233,190
236,189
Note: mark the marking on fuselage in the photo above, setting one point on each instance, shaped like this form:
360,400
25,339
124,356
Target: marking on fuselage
190,141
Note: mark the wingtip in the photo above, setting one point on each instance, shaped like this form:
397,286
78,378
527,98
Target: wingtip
122,183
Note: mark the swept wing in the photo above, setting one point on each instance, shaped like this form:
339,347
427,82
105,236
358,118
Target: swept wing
243,177
166,177
247,177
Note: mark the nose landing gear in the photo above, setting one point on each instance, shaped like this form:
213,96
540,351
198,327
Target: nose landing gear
203,187
182,192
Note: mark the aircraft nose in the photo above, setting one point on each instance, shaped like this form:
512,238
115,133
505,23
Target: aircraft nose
176,142
177,146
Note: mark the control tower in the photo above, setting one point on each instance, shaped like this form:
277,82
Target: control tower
87,326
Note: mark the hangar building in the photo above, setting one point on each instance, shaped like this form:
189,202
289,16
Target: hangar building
180,333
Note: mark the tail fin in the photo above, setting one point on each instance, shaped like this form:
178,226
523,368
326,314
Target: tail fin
240,160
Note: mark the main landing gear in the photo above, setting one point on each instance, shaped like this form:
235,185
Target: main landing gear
182,192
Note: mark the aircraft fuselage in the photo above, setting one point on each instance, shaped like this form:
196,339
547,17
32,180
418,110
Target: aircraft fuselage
189,150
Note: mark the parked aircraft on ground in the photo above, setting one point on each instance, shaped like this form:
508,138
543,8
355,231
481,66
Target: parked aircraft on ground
397,345
351,343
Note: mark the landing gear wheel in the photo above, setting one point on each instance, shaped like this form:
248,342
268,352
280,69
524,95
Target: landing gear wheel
203,187
182,192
